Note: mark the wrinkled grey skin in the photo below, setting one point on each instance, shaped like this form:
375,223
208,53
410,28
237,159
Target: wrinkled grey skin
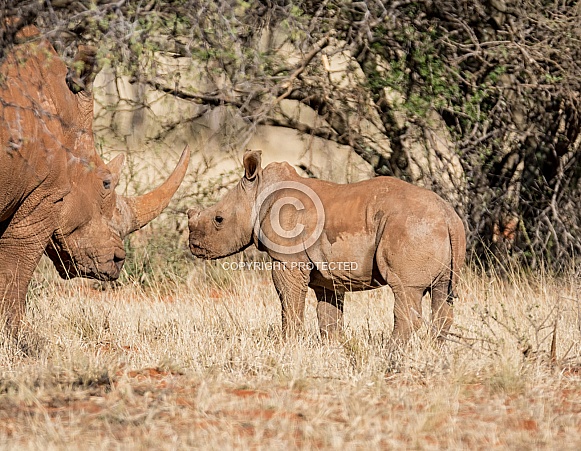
388,231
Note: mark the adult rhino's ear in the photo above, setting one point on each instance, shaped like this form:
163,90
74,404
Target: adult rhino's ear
252,160
115,166
84,69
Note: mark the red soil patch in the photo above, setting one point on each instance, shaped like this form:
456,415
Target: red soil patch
168,298
141,379
87,407
528,425
184,402
110,347
56,407
216,294
8,427
149,373
246,393
206,424
246,421
572,371
523,424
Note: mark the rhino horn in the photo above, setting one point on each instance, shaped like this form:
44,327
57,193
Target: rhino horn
136,212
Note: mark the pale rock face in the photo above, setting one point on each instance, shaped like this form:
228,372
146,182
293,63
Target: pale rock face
212,134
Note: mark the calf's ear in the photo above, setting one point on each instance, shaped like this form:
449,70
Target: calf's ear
252,160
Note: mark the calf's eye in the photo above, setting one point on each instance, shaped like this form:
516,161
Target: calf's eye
219,219
107,184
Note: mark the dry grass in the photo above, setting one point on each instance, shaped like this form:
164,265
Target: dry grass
197,362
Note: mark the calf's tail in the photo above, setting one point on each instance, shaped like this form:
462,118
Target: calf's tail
457,237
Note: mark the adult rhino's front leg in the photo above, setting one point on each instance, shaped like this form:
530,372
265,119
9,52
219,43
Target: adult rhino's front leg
330,313
22,243
291,284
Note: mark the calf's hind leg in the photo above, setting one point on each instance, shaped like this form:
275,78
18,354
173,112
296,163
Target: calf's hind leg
442,309
330,313
407,311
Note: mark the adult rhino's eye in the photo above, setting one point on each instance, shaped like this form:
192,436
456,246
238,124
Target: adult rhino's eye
107,184
219,219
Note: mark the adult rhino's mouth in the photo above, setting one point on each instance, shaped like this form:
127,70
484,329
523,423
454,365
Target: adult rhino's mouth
92,268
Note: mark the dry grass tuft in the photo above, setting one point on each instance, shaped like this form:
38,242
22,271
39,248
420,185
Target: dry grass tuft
197,360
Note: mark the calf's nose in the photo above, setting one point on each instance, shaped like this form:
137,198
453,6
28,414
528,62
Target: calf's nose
193,213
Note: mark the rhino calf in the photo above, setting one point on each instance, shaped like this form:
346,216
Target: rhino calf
337,238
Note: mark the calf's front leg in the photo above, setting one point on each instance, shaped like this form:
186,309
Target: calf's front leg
330,313
291,285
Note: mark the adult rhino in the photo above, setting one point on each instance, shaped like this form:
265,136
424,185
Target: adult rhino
338,238
56,194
